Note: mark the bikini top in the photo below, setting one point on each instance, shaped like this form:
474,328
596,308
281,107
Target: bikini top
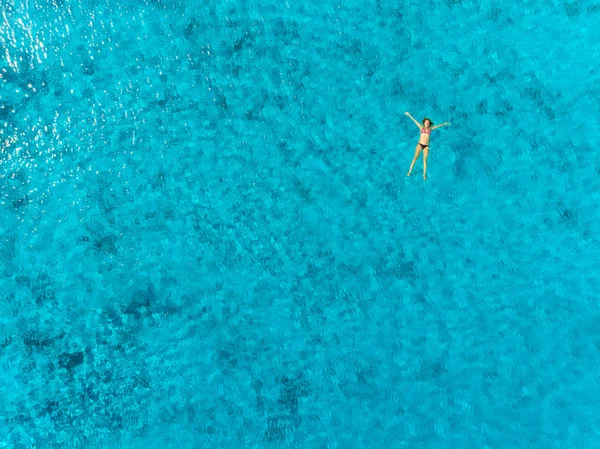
425,130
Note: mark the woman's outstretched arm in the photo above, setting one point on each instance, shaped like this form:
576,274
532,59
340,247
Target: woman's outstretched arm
443,124
413,119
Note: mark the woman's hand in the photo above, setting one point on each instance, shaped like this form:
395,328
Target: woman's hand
407,113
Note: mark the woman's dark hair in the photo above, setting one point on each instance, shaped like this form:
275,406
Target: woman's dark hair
429,120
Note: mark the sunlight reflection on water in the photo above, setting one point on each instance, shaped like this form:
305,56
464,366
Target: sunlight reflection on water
55,112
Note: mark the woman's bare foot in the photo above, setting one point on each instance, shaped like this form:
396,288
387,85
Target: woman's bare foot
424,176
408,174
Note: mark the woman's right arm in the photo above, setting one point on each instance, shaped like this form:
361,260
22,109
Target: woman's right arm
413,119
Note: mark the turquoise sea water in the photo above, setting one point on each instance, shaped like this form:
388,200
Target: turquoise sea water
208,239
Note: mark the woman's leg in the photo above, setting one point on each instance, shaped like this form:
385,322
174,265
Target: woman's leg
425,154
417,152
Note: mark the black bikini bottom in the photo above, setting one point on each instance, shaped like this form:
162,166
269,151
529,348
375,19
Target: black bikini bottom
422,145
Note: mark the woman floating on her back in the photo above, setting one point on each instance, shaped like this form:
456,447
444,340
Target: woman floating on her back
423,144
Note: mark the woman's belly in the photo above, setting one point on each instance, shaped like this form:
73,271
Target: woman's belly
424,139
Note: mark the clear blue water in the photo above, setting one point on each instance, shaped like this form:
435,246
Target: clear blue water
208,239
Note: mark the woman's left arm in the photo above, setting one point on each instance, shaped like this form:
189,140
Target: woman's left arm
443,124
